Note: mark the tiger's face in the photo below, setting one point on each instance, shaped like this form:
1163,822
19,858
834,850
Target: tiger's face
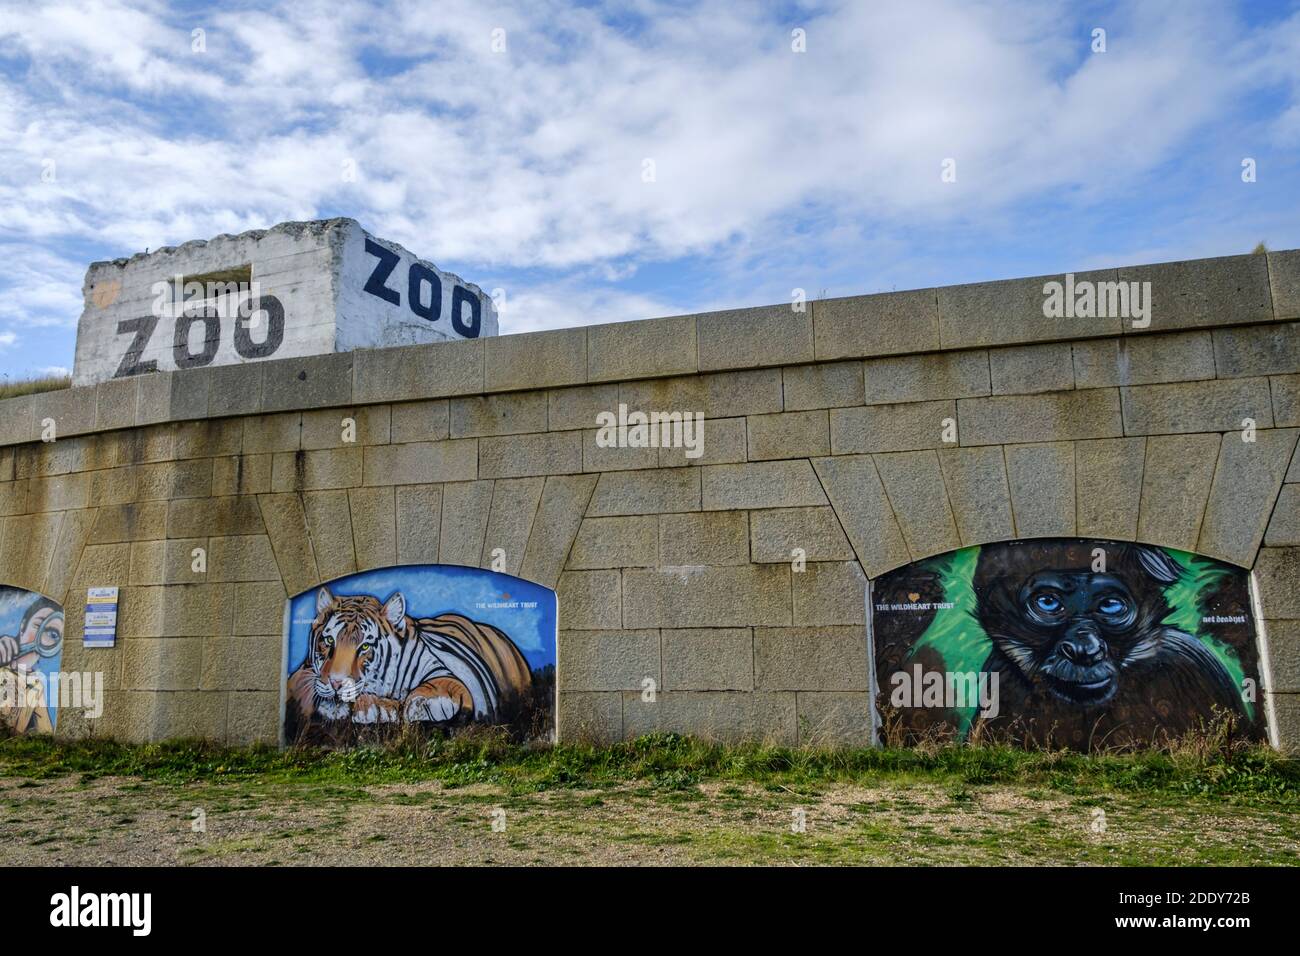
345,641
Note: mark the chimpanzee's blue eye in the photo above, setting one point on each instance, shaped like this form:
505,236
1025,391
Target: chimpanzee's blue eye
1048,603
1111,605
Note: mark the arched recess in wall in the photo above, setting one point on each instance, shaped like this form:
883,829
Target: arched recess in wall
437,646
31,652
1077,642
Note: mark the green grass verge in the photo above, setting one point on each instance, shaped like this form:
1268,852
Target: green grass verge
665,761
12,388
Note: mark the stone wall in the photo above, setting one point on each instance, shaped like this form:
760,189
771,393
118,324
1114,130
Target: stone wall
824,431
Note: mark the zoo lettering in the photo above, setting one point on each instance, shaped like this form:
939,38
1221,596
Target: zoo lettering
418,276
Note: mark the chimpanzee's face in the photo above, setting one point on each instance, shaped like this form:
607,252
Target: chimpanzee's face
1075,631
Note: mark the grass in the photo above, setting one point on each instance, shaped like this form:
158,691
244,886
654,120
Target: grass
12,388
658,799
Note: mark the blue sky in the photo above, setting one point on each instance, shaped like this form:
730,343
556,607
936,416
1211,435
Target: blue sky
522,169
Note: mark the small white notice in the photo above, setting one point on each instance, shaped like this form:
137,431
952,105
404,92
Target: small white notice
101,618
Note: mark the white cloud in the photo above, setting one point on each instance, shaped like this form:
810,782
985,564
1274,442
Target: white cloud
532,159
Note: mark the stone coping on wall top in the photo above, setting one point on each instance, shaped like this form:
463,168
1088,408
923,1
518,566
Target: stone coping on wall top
1198,293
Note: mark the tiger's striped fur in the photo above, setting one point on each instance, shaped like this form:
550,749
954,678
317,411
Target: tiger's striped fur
373,663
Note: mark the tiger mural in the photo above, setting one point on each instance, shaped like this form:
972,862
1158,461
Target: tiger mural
373,663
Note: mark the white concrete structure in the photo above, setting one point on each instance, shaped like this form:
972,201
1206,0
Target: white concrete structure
299,288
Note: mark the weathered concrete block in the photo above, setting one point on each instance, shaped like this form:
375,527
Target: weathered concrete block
829,385
271,433
522,456
716,395
776,533
240,558
141,445
174,479
421,462
510,414
1041,478
590,601
419,520
252,717
1284,281
345,427
418,371
788,435
858,497
535,360
856,326
722,442
71,410
775,484
199,517
13,497
312,381
132,521
232,389
595,718
193,610
115,404
510,520
646,492
17,419
831,593
73,533
708,659
577,408
624,542
374,527
1108,486
834,720
1028,369
241,475
1012,311
803,658
976,479
59,493
1257,350
1144,360
465,507
316,470
1284,525
1059,416
615,457
691,596
1286,400
421,421
169,663
1284,720
1283,656
706,537
1175,486
914,484
171,396
879,428
923,378
564,502
1277,576
646,349
751,338
286,524
207,438
258,609
1246,482
1230,290
722,716
242,663
608,660
1196,406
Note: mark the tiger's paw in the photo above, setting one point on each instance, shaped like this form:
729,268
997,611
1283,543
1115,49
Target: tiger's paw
369,709
431,708
332,709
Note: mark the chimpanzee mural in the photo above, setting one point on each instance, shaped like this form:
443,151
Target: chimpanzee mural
433,645
1064,642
